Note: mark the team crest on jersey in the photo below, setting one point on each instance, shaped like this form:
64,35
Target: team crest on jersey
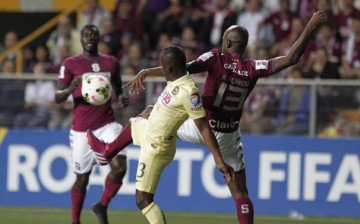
195,99
175,90
261,64
165,98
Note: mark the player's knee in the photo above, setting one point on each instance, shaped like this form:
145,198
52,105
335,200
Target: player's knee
142,201
82,181
118,167
119,172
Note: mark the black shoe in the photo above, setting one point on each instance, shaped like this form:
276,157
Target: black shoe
101,212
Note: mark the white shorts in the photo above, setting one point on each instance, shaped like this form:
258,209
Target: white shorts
82,156
230,143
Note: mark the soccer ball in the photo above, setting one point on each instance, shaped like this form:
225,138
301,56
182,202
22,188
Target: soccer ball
96,89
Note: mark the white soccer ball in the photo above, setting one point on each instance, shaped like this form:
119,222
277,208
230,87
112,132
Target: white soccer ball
96,89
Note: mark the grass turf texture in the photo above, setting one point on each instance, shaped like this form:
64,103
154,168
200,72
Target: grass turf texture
20,215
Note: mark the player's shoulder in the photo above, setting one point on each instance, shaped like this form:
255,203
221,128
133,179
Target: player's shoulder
214,53
108,57
73,59
190,87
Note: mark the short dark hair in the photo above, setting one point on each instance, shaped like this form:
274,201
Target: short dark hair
90,27
175,57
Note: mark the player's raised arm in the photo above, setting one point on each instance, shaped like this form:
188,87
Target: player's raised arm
137,84
299,46
211,142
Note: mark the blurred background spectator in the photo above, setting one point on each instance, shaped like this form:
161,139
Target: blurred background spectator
10,39
294,107
351,60
65,34
260,106
93,14
39,101
11,95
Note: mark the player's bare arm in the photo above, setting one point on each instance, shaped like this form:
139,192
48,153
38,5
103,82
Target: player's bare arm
299,46
137,84
64,92
211,142
116,82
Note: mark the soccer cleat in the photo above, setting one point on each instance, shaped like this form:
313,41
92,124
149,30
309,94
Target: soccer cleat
101,212
98,147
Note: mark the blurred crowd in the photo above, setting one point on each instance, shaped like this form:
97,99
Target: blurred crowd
135,31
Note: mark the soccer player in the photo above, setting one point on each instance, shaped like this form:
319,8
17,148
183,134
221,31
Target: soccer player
156,135
229,81
100,119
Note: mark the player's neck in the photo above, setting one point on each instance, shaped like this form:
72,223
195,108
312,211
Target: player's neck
88,54
174,77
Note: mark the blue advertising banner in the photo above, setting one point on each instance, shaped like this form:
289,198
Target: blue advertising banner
285,174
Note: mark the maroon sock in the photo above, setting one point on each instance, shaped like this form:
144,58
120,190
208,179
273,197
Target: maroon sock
123,140
77,201
245,210
110,189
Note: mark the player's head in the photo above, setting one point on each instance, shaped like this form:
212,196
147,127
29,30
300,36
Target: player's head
235,39
90,38
173,62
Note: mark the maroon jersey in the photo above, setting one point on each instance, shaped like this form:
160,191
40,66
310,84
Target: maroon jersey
229,82
87,116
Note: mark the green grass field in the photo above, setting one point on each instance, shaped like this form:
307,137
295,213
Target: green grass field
61,216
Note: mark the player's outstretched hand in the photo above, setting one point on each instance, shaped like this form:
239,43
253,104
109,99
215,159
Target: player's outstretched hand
227,171
137,84
318,18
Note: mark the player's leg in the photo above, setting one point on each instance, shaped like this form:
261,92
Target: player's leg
232,156
232,152
125,138
113,180
152,212
78,194
152,161
112,185
150,168
109,150
244,206
189,132
82,162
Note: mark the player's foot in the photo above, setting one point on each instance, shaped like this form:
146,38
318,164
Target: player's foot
98,147
101,212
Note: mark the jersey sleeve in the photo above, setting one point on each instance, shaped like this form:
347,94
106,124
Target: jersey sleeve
65,75
202,63
193,104
261,68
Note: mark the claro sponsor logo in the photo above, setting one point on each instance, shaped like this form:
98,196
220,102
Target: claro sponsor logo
223,125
